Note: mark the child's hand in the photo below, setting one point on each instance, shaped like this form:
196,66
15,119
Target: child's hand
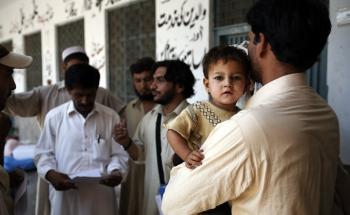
194,159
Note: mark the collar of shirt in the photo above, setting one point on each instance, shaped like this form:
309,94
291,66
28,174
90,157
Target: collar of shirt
136,103
275,87
71,109
158,109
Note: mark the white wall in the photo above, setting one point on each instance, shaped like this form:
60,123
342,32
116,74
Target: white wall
182,29
23,17
189,40
338,75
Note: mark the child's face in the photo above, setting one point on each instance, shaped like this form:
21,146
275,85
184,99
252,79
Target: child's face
226,83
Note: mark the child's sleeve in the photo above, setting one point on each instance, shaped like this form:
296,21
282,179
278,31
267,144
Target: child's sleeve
183,124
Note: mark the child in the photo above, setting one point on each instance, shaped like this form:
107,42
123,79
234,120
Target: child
226,78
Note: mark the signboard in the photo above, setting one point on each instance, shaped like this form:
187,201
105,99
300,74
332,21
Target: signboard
182,32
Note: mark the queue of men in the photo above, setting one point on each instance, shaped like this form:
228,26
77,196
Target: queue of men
278,156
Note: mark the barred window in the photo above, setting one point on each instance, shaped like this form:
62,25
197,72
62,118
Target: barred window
229,12
131,33
69,34
32,47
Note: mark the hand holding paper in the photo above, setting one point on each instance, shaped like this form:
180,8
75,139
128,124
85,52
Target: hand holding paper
59,180
112,180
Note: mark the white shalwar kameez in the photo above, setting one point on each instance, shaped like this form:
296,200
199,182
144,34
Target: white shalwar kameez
66,145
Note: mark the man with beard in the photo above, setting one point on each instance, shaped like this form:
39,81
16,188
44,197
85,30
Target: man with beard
172,84
8,61
141,72
280,155
131,194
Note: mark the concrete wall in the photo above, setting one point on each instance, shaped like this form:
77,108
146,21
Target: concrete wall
338,74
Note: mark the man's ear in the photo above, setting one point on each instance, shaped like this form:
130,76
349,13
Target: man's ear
63,67
69,89
206,84
179,88
262,46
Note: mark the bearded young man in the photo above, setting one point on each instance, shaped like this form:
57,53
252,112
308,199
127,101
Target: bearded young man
172,84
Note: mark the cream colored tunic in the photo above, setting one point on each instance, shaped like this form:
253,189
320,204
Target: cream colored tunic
131,195
3,208
277,157
196,122
145,137
133,114
6,202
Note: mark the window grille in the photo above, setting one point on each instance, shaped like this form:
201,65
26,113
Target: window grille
70,34
131,33
32,47
229,12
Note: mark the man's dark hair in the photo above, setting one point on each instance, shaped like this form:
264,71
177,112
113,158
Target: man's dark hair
297,30
79,56
179,73
225,53
82,75
142,64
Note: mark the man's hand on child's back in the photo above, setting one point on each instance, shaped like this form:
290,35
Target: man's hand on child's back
194,159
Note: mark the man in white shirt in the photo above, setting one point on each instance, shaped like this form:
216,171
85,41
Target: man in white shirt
77,137
279,156
8,61
172,84
39,101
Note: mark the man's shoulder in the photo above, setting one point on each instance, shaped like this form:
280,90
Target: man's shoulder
131,104
247,121
57,111
47,88
106,97
103,91
152,114
105,109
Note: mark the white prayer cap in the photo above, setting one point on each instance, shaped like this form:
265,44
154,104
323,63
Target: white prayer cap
72,50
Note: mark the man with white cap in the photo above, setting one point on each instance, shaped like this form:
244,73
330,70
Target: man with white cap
8,61
39,101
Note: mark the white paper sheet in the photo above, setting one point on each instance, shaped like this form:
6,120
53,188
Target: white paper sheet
91,176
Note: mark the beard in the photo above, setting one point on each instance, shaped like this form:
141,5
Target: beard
166,97
145,96
255,69
255,76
